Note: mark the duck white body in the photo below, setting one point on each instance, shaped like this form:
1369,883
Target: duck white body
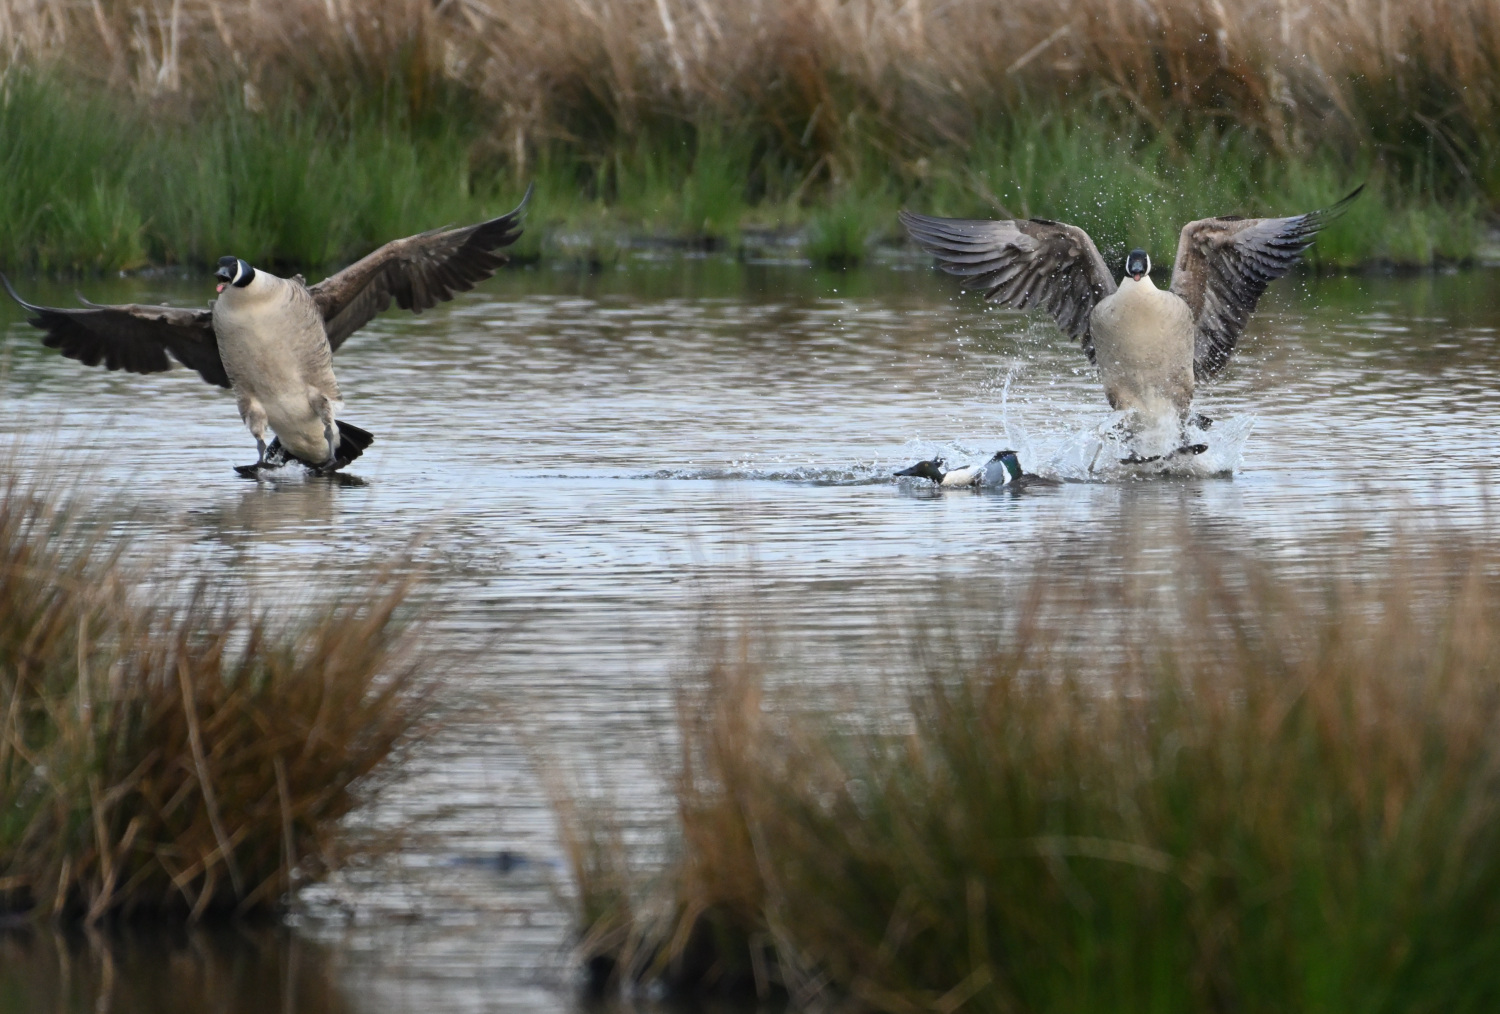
276,353
972,475
1143,344
1001,470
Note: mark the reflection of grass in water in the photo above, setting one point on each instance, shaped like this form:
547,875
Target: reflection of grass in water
177,759
1280,794
241,969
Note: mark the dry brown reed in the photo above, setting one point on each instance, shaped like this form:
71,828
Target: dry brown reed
821,79
178,754
1259,791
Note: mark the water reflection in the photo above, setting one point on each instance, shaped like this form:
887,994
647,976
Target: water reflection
230,971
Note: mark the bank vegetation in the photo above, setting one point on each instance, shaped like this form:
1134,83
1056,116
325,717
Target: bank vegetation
304,128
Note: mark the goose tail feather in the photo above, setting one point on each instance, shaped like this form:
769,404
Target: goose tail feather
352,442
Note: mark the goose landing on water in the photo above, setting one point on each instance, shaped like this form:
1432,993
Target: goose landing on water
1152,346
272,339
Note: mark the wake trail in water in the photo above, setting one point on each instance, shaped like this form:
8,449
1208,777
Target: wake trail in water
856,474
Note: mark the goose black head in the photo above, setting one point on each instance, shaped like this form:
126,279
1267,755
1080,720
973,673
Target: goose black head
233,271
925,470
1137,264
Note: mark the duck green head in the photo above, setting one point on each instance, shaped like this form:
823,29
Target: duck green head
1011,461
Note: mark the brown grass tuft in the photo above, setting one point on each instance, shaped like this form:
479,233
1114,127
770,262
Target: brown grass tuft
1244,790
818,78
180,757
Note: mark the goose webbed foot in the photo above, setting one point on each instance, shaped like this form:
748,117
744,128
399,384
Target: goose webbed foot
1200,420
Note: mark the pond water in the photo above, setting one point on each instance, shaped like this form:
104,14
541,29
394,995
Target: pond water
579,462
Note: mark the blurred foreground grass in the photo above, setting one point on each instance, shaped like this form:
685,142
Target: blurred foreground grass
175,753
1230,788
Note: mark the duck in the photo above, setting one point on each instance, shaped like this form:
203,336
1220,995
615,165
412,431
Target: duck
1015,477
1003,469
933,469
1152,346
271,340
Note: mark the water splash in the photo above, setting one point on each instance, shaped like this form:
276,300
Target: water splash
1110,451
1100,451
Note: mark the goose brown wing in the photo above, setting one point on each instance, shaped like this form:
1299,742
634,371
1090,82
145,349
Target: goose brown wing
1022,264
130,336
418,272
1224,265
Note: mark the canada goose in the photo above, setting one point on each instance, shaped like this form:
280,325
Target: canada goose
272,339
1004,469
1151,346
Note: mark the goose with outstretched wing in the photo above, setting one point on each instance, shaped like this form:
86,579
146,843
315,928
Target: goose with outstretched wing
271,340
1152,346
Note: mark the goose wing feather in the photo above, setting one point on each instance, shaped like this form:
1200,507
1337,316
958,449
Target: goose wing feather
130,336
1022,264
418,272
1224,265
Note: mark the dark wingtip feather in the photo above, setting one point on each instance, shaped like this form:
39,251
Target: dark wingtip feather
1325,216
503,230
16,295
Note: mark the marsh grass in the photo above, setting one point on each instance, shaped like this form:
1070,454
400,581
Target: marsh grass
305,131
176,754
97,185
300,189
1273,793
